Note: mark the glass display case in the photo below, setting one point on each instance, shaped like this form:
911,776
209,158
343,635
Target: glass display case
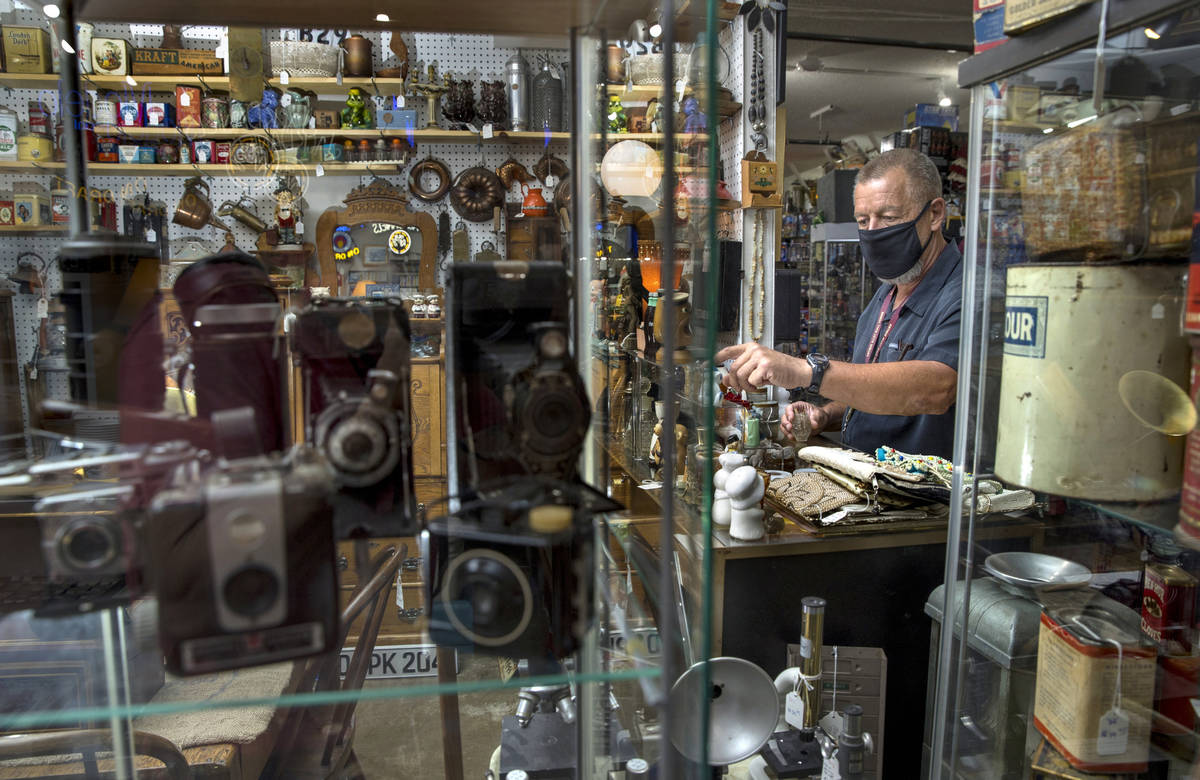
370,489
1076,382
839,287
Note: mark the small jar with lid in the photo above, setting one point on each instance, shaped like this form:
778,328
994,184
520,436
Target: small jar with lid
348,154
364,151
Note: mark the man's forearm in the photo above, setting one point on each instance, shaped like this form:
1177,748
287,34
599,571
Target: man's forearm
834,412
903,388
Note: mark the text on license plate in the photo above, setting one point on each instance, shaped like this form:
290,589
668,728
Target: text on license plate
393,661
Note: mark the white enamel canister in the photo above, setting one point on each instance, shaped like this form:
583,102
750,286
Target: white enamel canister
1083,401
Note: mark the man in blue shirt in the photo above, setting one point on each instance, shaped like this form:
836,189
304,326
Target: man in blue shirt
900,388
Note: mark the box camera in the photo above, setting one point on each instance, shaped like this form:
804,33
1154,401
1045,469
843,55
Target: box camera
242,561
81,550
517,403
511,573
355,360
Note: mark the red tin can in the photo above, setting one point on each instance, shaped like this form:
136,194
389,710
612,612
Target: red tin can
107,150
1169,607
223,149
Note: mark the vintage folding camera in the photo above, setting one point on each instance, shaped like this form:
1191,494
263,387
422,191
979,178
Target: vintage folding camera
510,573
517,404
242,560
81,550
355,359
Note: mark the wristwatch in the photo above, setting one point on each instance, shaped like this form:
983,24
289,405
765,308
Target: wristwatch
819,364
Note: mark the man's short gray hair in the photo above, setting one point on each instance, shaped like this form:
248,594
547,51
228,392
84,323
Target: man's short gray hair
923,181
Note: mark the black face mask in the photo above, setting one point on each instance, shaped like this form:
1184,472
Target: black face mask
892,251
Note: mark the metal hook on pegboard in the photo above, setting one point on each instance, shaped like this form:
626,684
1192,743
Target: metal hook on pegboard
207,89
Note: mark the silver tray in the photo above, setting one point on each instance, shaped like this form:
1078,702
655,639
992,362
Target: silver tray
1030,571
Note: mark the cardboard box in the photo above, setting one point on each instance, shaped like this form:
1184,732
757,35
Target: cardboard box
26,50
989,29
327,119
1020,15
151,62
187,106
396,118
932,115
31,209
111,56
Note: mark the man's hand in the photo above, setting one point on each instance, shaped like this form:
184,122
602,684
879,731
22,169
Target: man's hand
756,366
801,420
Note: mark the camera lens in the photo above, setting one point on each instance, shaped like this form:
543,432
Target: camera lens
251,591
488,597
88,545
360,442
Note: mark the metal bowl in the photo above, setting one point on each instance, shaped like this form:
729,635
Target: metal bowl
743,710
1036,572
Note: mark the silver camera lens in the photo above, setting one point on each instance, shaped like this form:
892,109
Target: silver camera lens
89,544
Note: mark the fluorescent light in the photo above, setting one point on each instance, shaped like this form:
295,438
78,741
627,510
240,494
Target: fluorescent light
51,10
944,102
1079,122
129,80
655,30
66,46
1152,33
382,18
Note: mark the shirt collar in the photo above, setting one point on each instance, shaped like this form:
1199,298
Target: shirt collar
929,287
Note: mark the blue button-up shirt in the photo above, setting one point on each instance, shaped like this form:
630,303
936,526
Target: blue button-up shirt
927,329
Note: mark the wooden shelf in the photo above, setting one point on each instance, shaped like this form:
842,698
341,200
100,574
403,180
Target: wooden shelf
640,93
25,230
211,169
165,83
423,135
681,139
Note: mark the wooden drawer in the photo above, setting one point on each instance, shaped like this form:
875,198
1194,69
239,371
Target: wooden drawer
348,576
394,630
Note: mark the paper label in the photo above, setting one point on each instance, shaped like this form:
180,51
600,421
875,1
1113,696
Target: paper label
793,710
805,647
1113,739
829,769
284,78
831,724
320,169
299,228
487,131
185,99
151,235
399,101
43,308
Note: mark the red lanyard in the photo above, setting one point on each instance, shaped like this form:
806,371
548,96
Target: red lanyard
873,352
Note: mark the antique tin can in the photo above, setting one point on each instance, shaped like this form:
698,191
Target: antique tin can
237,113
1169,607
185,153
516,78
9,128
159,114
6,208
203,151
614,67
106,149
35,147
40,122
128,153
214,112
83,45
358,56
187,106
332,153
60,206
129,113
167,152
106,112
223,149
26,49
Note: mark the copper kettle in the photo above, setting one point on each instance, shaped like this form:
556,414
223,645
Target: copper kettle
358,56
195,209
534,204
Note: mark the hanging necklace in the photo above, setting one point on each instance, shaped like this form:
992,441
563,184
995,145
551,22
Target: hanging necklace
757,276
758,94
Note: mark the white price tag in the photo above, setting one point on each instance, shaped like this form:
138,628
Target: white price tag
1157,311
832,725
487,131
151,235
43,308
399,101
829,769
185,99
284,78
299,229
793,710
285,99
1113,738
222,52
320,169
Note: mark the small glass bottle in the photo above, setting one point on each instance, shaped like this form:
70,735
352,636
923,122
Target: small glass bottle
364,150
348,153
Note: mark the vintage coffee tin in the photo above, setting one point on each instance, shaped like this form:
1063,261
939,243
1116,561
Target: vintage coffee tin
1169,607
167,152
203,151
159,114
128,153
106,112
6,207
35,147
40,122
214,112
129,113
9,129
222,152
60,206
107,149
187,106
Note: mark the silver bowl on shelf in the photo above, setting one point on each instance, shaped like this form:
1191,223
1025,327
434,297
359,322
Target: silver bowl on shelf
1030,573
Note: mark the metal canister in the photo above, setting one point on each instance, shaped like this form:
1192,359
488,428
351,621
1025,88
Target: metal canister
9,129
40,121
35,147
107,149
106,112
516,78
546,97
203,151
1169,607
167,152
214,112
358,61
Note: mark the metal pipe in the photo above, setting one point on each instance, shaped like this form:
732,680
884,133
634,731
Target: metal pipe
812,634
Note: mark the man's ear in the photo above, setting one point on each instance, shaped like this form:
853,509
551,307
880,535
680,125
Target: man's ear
938,209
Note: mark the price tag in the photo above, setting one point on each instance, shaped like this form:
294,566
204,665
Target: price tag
284,78
222,52
829,769
1113,738
486,132
185,99
43,308
399,101
832,724
299,228
320,169
793,710
151,235
285,99
551,181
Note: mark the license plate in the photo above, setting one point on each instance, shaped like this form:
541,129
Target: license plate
648,643
391,662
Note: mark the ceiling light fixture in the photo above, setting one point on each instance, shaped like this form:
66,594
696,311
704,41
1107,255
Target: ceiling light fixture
1152,33
944,100
51,10
382,18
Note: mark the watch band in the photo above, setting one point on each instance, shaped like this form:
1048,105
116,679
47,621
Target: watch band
818,363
